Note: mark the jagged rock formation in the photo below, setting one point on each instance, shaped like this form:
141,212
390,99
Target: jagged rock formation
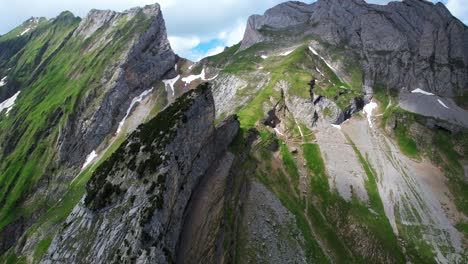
136,201
413,44
144,61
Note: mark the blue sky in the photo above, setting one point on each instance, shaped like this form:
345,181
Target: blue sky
196,28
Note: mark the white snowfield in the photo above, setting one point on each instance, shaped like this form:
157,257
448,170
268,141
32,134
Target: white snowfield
286,53
418,90
336,126
135,100
368,109
170,83
25,31
322,58
89,159
9,103
278,132
3,81
189,79
31,26
442,103
317,69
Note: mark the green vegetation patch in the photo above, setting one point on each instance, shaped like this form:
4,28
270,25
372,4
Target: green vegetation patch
405,142
48,100
289,163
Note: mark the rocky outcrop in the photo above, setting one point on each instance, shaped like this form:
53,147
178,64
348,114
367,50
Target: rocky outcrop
136,200
231,91
329,111
146,58
308,110
282,16
303,109
413,43
225,88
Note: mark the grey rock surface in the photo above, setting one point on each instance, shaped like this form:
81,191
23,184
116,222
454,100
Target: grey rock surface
329,111
225,88
231,91
146,188
147,58
201,239
413,43
269,230
434,106
302,109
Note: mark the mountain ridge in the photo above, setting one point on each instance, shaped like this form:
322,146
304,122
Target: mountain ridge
325,136
405,43
64,97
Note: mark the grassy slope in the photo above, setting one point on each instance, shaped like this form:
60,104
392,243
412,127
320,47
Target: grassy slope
69,76
320,208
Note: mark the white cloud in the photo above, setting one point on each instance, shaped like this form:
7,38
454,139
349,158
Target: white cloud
459,8
213,51
183,45
235,34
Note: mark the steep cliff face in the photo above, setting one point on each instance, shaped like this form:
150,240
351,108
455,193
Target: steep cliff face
75,81
136,200
145,58
413,44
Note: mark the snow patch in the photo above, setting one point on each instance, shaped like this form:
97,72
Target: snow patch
418,90
368,109
170,83
132,104
9,103
317,69
278,132
32,25
286,53
191,78
328,64
3,81
264,57
442,103
210,79
25,31
336,126
89,159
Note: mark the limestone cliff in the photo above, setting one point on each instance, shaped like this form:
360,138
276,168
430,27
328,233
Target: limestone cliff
412,44
136,200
